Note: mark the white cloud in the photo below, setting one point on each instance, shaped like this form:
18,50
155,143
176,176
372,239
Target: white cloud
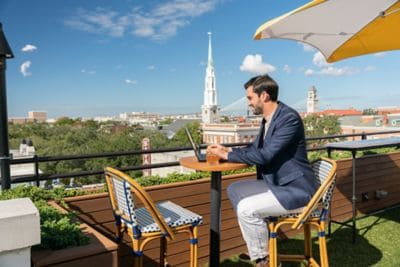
287,69
254,64
380,54
308,72
158,23
88,71
151,67
319,60
333,71
328,69
307,47
28,48
99,21
128,81
24,69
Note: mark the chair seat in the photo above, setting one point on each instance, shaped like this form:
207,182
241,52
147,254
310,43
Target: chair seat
174,215
316,213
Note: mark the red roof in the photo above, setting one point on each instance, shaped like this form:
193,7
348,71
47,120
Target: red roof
340,112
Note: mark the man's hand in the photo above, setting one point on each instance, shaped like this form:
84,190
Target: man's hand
219,150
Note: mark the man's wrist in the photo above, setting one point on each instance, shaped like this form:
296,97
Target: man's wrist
227,150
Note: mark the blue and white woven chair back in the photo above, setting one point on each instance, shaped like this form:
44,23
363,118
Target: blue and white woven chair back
124,199
322,170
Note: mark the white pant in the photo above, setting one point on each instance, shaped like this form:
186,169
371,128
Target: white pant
253,201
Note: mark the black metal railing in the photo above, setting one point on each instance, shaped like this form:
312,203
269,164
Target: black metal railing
36,160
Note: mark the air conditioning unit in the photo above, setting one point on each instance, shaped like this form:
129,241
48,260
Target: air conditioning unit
395,122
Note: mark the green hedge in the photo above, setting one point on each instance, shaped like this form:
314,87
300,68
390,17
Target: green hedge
180,177
336,154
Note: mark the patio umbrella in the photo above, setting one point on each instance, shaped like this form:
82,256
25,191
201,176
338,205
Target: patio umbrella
340,28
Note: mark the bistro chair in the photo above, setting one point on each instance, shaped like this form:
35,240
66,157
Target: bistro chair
314,214
161,220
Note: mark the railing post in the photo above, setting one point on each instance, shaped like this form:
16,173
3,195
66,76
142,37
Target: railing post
35,159
4,146
5,172
363,136
5,53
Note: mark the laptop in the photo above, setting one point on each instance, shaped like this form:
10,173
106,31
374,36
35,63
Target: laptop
201,157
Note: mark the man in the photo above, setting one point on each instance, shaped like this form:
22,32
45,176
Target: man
285,180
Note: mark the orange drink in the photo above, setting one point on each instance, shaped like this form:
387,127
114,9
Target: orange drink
212,158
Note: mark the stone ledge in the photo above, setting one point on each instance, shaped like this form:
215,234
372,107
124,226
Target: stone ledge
19,224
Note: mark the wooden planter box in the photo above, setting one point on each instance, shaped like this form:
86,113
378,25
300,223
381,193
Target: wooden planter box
373,172
100,252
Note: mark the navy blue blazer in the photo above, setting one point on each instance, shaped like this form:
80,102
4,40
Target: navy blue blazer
282,160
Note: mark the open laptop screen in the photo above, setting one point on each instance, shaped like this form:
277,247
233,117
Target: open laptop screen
200,157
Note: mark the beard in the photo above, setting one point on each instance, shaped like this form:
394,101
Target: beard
257,110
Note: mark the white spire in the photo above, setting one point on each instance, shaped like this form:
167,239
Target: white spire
210,60
210,109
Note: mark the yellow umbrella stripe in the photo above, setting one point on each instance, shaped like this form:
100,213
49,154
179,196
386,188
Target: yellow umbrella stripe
258,34
381,34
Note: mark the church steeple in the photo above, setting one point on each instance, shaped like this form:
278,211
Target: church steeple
210,60
210,110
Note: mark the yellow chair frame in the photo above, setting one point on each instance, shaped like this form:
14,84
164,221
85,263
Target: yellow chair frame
307,218
141,239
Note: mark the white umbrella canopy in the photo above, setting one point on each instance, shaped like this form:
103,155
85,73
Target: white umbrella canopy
340,28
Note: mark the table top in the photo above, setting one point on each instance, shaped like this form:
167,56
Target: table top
192,163
364,144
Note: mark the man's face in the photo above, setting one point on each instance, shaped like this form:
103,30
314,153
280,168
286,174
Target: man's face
254,101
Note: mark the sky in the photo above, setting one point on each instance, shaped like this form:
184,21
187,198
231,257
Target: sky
100,58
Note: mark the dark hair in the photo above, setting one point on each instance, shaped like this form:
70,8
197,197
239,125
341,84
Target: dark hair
263,83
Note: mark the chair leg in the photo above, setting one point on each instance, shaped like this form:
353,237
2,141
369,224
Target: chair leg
121,228
307,241
163,251
273,249
193,247
137,259
322,246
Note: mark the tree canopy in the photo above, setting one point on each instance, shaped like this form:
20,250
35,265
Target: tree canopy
75,137
316,125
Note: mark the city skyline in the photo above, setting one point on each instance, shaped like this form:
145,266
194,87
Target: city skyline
94,59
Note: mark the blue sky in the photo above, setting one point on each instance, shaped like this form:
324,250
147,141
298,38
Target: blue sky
91,58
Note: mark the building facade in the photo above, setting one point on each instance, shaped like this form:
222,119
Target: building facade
371,124
224,133
37,116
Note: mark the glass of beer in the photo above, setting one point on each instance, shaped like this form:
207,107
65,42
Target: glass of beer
212,158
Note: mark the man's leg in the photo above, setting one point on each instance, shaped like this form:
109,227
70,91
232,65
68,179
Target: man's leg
253,201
